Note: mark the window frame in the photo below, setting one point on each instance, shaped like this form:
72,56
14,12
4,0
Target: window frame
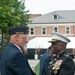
44,30
54,28
67,30
32,31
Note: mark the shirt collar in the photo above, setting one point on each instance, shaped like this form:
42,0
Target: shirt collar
18,47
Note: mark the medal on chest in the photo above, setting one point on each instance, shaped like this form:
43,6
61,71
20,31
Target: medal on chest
56,66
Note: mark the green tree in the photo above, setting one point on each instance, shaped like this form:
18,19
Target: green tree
12,13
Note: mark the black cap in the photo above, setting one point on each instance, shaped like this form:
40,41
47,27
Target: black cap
18,30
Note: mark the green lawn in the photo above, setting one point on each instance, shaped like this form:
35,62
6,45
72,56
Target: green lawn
37,68
74,60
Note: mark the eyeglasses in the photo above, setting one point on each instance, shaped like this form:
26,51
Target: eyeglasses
24,38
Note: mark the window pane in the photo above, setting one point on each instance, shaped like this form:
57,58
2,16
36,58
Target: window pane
67,30
55,16
32,31
43,30
55,29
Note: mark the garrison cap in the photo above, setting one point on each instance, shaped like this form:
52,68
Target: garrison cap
18,30
59,37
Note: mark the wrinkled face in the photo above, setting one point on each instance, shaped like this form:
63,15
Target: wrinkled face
22,40
57,47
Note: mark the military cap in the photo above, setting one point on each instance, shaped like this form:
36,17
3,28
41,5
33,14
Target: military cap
59,37
18,30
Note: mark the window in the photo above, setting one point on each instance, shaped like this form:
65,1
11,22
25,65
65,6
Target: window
67,30
31,31
55,16
44,30
55,29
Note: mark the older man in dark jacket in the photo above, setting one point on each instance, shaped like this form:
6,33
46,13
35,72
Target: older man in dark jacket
13,61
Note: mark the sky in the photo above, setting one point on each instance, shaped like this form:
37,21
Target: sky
47,6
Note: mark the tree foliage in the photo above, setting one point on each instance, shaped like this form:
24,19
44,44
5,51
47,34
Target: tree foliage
12,13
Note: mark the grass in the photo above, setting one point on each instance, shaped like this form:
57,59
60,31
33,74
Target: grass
37,68
74,60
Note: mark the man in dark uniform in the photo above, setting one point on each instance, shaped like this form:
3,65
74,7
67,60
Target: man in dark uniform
44,61
13,60
62,64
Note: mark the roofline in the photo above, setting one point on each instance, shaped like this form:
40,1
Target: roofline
53,23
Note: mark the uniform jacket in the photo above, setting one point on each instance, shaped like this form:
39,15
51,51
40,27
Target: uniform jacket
44,63
14,62
62,64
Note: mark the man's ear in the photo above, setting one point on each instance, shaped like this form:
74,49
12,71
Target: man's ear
16,37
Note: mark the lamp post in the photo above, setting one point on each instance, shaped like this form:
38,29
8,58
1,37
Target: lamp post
36,55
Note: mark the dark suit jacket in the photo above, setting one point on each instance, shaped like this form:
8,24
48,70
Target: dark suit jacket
0,66
44,63
14,62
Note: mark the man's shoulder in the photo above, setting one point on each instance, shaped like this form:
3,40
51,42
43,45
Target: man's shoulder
49,58
46,54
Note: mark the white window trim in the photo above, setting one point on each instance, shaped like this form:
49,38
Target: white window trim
57,28
30,31
54,15
69,30
42,30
